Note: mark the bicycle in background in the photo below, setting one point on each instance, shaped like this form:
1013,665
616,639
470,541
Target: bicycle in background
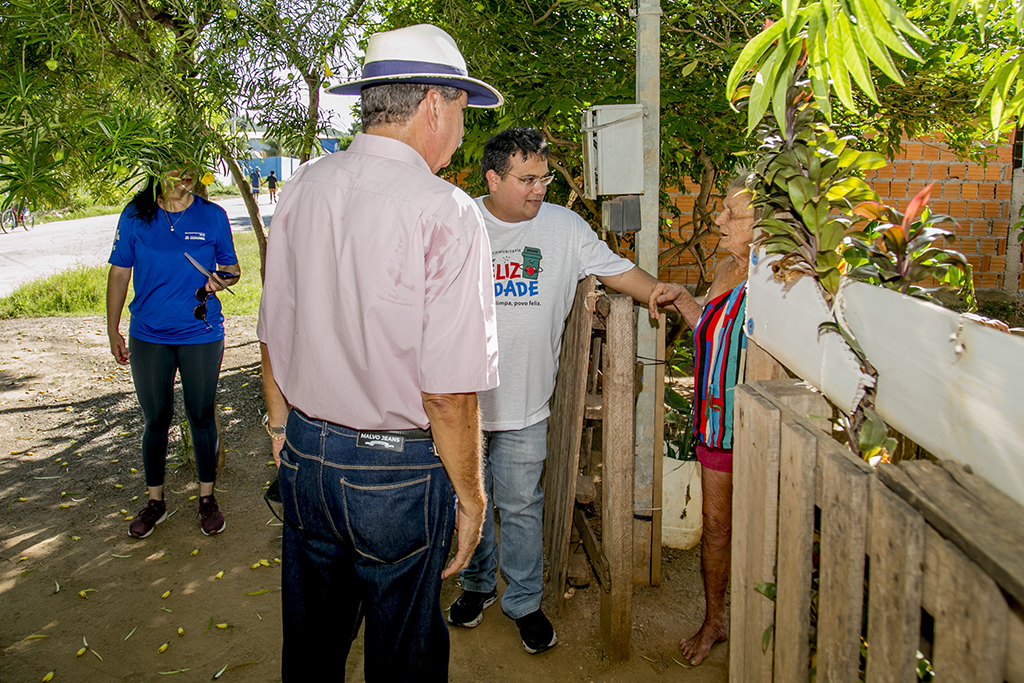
13,216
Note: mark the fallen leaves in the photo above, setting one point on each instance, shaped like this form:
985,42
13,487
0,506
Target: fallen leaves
84,593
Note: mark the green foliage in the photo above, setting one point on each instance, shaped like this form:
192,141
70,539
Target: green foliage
805,183
835,41
552,61
78,291
897,250
679,433
679,436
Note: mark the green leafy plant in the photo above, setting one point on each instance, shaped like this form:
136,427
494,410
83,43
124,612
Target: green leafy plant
897,250
805,183
679,437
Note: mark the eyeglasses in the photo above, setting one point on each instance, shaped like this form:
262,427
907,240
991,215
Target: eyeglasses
200,311
532,181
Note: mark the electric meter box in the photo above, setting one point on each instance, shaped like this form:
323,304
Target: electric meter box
613,150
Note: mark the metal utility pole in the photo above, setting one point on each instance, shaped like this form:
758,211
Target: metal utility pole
647,498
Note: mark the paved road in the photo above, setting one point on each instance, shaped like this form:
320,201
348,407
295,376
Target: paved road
53,247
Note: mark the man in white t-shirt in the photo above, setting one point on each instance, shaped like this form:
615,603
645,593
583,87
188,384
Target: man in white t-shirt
539,251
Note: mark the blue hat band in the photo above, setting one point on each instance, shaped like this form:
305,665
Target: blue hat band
398,67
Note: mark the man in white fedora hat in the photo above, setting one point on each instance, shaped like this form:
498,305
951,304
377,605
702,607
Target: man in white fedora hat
377,329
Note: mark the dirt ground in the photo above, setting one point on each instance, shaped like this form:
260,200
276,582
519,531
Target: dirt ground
70,476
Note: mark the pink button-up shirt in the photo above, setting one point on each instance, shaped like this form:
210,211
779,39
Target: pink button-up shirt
378,287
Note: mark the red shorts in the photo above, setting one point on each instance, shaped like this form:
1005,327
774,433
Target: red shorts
718,459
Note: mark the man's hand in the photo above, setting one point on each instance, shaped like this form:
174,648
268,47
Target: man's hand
275,447
469,529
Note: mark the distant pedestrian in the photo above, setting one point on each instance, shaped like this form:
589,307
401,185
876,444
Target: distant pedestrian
254,179
272,186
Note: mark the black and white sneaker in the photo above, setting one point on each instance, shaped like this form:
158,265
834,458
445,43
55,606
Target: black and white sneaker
536,632
468,610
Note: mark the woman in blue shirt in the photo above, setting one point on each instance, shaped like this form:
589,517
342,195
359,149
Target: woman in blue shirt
176,327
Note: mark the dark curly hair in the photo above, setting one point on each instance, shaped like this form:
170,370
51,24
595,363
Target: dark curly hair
500,147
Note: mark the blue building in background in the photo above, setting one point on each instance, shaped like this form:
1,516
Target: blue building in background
283,167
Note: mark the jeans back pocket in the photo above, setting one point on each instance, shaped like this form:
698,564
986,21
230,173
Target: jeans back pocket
388,522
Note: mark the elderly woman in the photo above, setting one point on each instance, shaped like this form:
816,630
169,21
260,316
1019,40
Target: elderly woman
719,343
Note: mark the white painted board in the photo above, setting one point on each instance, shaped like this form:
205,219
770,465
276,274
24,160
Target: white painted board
784,321
967,406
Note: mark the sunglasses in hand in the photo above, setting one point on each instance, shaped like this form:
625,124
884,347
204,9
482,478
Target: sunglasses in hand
200,311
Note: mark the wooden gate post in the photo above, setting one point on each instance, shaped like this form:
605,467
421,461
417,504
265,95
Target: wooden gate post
617,478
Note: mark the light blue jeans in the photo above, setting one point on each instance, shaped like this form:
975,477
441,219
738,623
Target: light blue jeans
513,463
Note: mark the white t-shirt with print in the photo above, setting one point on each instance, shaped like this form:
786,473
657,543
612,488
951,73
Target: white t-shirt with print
537,264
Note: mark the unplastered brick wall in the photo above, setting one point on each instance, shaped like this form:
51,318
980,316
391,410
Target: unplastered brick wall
976,196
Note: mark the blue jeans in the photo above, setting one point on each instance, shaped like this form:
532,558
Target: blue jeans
366,534
513,463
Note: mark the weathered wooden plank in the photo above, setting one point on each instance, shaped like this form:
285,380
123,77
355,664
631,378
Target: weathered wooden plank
896,580
586,490
1015,647
761,365
970,618
983,522
563,441
797,465
755,529
802,399
617,479
593,548
659,449
844,514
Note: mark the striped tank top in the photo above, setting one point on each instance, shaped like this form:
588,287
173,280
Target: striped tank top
720,347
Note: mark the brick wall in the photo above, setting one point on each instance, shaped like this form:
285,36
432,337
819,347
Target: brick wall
977,197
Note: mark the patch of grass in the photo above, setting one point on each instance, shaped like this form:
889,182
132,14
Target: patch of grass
82,290
249,288
78,291
82,212
216,190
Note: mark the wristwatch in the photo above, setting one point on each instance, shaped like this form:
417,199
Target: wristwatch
275,433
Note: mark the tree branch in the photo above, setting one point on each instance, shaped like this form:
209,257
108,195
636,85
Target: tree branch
546,14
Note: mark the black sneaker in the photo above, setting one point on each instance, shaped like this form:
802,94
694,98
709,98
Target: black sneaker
468,610
211,520
536,632
151,515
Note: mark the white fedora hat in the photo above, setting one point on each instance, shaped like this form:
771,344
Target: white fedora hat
418,54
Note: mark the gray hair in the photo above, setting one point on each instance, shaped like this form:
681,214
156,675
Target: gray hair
397,102
739,184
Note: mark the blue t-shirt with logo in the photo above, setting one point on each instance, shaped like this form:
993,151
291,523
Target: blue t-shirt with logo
162,311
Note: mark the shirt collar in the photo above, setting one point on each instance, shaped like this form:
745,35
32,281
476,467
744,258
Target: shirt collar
389,148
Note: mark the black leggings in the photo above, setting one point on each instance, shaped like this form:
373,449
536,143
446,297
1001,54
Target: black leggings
153,368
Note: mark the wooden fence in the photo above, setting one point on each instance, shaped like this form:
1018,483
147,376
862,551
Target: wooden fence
919,557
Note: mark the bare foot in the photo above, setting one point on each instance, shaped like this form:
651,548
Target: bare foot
696,648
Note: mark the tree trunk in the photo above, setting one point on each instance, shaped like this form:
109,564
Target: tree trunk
312,116
250,204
